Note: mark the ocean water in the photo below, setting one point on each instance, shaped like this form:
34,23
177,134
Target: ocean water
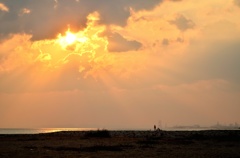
39,130
50,130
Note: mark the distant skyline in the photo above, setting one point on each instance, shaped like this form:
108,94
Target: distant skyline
119,63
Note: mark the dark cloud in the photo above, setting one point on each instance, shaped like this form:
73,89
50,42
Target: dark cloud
117,43
219,62
39,22
179,39
224,62
237,2
183,23
3,7
165,42
49,17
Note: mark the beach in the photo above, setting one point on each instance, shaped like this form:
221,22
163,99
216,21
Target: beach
104,143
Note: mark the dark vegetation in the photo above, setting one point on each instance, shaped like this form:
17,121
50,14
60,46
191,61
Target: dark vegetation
223,135
87,149
104,143
97,134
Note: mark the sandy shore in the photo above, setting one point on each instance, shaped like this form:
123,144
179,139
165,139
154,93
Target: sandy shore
212,143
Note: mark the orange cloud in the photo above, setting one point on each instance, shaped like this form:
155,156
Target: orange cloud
80,54
24,11
186,67
3,7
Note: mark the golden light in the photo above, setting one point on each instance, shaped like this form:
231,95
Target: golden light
70,38
66,40
86,49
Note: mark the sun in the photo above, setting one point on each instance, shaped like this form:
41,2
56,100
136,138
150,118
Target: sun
71,38
68,39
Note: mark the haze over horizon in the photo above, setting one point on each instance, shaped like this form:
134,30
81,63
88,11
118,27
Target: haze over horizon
119,63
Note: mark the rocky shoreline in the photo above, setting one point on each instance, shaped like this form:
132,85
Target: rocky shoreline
104,143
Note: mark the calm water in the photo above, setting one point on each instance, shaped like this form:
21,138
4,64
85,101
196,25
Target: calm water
49,130
39,130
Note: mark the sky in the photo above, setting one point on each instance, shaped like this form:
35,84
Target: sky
119,63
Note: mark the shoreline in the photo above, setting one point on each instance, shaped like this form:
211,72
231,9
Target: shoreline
52,130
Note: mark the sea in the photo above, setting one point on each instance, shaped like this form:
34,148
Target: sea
51,130
39,130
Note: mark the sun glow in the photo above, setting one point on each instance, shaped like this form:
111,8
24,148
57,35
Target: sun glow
71,38
85,49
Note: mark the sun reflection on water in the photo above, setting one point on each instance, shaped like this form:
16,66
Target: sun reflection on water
39,130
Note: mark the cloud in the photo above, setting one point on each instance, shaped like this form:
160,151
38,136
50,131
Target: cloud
49,17
24,11
117,43
3,7
181,64
183,23
221,60
237,2
19,50
165,42
93,60
59,61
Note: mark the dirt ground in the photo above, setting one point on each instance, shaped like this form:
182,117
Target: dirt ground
141,144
